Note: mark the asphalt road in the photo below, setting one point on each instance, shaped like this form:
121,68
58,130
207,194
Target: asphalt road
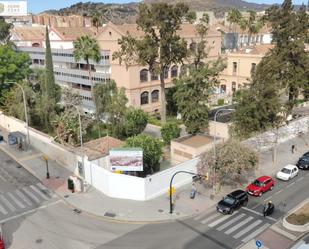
36,219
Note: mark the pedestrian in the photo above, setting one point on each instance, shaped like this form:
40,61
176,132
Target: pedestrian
293,148
193,191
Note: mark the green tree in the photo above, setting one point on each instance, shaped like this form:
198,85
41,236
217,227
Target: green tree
14,66
232,161
152,151
193,90
96,19
161,46
234,16
135,121
169,131
4,31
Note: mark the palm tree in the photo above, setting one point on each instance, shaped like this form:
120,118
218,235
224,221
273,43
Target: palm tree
243,26
234,16
96,20
87,48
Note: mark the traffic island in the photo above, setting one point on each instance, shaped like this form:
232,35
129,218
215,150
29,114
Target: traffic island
298,218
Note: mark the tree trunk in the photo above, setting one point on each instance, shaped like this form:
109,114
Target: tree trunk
163,100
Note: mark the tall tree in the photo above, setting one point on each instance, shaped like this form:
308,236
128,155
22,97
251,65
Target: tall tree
234,16
193,90
161,46
96,20
4,31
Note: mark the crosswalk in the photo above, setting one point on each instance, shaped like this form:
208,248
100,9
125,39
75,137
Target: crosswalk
241,225
23,199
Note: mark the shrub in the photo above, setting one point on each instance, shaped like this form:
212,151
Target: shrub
170,131
220,101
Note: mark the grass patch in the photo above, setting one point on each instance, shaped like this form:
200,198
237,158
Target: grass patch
155,120
300,217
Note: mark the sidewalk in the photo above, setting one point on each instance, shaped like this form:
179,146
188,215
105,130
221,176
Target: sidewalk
95,203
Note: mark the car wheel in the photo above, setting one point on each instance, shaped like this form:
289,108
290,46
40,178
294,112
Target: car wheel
245,203
289,178
232,211
272,187
260,194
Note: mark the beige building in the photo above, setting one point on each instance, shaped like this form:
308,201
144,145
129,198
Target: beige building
143,89
61,21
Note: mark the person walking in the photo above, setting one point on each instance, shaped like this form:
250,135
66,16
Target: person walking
293,148
193,191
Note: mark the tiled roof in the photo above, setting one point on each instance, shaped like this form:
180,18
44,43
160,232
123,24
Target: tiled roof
266,29
257,49
72,33
29,33
100,147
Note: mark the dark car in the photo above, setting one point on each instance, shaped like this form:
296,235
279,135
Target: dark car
303,161
232,201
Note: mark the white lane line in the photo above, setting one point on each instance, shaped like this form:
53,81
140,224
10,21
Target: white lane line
6,202
201,216
240,224
210,218
278,192
255,233
38,191
253,211
225,217
220,228
247,229
299,179
29,193
290,185
269,198
3,179
23,197
21,205
3,210
29,212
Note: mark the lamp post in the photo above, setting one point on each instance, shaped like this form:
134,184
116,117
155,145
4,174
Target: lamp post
25,108
47,171
215,152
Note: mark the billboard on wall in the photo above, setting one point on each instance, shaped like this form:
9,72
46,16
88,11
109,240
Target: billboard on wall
13,8
126,159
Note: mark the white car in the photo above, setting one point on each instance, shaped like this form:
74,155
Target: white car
287,173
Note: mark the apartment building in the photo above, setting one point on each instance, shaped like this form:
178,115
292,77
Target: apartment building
68,72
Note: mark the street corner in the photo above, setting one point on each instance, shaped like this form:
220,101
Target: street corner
55,184
272,240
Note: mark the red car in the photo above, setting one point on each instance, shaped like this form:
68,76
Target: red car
1,240
260,185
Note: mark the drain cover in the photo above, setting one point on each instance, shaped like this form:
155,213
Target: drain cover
66,196
18,167
108,214
77,211
160,210
9,161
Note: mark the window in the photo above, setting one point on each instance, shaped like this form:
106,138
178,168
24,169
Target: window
193,46
165,73
174,71
183,70
253,68
155,96
233,86
154,76
223,88
143,75
234,67
144,98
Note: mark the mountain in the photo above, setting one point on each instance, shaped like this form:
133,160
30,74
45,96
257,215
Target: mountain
126,13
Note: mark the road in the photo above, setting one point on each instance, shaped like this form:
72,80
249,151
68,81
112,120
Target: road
34,218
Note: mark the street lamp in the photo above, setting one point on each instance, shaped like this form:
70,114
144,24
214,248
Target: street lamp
215,152
47,171
25,107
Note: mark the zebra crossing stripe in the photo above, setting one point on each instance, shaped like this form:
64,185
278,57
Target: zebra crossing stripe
210,218
230,222
255,233
39,192
23,197
3,210
247,229
240,224
225,217
44,189
21,205
6,202
29,193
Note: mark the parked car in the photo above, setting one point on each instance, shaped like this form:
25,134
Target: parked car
1,240
232,201
260,186
303,161
288,172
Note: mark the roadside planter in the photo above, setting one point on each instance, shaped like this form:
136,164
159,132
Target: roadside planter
298,219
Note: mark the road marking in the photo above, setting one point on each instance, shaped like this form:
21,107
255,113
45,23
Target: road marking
240,224
278,192
269,198
230,222
253,211
290,185
16,201
44,189
3,179
255,233
39,192
225,217
210,218
6,202
29,193
26,158
23,197
247,229
29,212
3,210
299,179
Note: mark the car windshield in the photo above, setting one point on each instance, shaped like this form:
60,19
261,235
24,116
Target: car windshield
286,171
257,183
304,159
229,200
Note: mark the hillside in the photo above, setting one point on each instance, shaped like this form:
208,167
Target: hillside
126,13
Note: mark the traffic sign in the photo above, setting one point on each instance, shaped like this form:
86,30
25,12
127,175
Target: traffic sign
258,243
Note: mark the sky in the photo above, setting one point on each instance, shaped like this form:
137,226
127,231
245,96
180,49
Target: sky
37,6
